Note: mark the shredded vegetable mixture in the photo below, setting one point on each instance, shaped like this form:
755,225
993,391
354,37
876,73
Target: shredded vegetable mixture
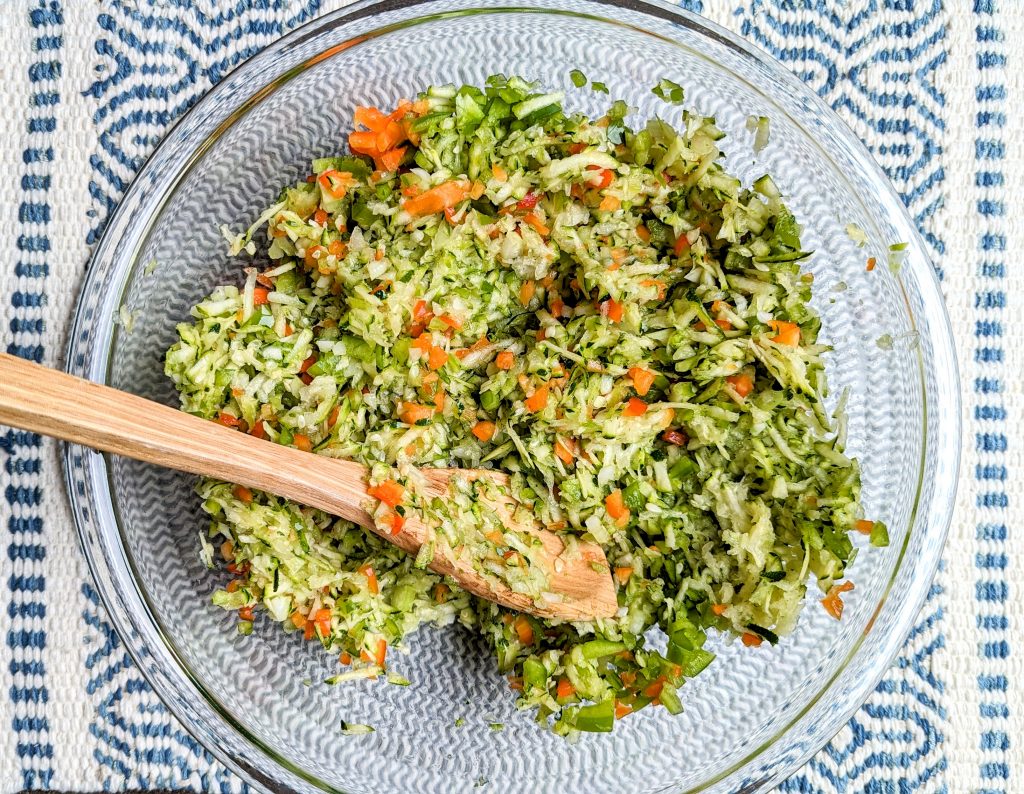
606,314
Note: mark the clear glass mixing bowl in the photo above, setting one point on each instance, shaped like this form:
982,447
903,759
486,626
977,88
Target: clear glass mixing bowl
752,717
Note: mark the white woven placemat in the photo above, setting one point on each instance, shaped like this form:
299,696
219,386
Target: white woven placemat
937,92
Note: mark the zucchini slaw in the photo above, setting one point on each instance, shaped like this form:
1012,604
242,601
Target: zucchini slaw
603,312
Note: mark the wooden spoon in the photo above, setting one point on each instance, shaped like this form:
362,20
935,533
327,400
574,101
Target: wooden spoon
56,404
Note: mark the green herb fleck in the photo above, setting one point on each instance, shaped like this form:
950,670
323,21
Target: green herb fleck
669,91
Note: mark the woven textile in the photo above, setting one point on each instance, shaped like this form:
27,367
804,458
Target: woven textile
935,90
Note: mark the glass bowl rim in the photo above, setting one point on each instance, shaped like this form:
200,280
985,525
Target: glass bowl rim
113,570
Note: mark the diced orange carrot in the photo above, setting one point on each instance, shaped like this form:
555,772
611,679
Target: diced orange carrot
499,173
505,360
260,296
389,492
390,160
864,526
370,117
538,400
741,383
785,333
612,309
423,343
363,142
615,506
526,292
332,418
380,652
643,233
439,399
371,578
484,430
437,198
751,640
320,217
719,609
537,224
599,178
389,136
622,709
335,184
313,256
642,378
623,573
345,658
405,107
610,203
635,407
564,451
437,358
524,630
871,264
336,248
653,689
242,493
397,522
450,321
833,601
421,315
230,421
234,586
323,622
411,413
564,689
298,619
303,442
682,244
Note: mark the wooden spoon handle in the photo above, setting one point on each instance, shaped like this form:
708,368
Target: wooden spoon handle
56,404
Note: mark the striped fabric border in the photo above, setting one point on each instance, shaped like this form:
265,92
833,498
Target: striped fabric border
990,301
26,550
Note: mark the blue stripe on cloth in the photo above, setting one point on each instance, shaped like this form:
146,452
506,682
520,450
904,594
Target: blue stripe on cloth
991,589
26,637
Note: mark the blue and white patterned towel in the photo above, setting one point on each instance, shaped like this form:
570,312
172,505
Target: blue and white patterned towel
935,90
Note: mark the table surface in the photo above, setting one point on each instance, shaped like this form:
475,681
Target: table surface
934,89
